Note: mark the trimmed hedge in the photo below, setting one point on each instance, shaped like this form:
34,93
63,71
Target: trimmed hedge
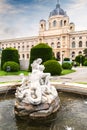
11,66
85,63
53,67
9,54
42,51
67,65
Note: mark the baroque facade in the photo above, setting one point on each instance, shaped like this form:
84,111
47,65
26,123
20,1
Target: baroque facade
60,35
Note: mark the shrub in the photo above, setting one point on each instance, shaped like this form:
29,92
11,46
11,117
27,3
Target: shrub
53,67
85,63
75,64
85,59
42,51
67,65
11,66
9,54
80,59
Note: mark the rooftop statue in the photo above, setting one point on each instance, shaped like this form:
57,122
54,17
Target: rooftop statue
36,95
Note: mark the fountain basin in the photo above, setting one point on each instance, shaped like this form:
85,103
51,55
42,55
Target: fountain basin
72,114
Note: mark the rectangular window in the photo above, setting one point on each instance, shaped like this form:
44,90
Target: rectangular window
80,37
73,38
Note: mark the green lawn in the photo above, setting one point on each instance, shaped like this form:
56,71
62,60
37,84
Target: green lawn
3,73
64,72
82,83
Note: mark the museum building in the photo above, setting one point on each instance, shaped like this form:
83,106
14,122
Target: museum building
60,35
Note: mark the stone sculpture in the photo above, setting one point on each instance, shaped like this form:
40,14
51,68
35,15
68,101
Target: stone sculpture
36,97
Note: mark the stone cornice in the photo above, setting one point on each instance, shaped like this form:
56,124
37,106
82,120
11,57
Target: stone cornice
78,32
20,39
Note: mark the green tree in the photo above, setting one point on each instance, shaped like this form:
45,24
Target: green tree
80,59
85,52
42,51
9,54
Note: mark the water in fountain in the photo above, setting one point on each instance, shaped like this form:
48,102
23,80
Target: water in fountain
71,116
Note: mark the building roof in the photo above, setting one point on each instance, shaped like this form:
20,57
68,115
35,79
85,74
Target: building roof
57,11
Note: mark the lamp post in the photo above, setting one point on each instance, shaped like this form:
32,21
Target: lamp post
80,60
63,55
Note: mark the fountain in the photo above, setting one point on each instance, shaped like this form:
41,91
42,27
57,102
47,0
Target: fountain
71,116
36,97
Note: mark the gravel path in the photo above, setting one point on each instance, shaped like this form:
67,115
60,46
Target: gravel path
79,76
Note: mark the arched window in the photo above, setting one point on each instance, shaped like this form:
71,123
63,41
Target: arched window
73,54
27,56
58,44
54,23
71,27
27,47
80,52
73,44
18,47
40,40
52,44
64,22
86,44
23,56
61,23
22,47
58,55
80,43
42,26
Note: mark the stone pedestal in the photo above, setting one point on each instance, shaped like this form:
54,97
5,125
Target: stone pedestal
36,111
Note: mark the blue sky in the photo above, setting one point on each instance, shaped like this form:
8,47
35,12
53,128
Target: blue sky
20,18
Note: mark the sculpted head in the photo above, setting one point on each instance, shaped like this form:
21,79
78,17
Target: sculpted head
39,60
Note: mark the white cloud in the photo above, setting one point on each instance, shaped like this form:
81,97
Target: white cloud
4,6
77,13
13,23
24,21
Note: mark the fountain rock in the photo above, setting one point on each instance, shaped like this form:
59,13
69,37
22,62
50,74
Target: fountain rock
36,97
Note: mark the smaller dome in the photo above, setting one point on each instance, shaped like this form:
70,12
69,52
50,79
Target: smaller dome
71,23
57,11
42,20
